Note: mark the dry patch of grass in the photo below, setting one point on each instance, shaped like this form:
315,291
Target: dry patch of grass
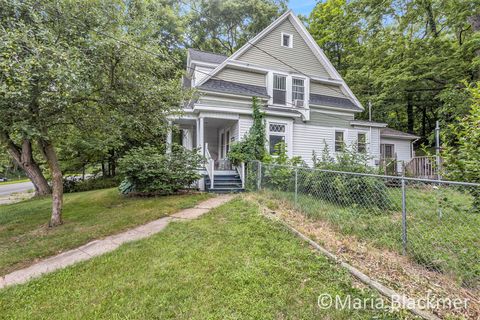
390,268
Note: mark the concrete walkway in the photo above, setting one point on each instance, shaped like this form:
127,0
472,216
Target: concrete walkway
110,243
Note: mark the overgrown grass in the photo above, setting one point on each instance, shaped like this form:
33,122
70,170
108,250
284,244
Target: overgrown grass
442,229
230,264
25,236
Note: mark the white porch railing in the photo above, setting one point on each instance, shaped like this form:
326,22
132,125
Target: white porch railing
210,165
241,173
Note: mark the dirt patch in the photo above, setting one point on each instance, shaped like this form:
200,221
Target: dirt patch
390,268
15,197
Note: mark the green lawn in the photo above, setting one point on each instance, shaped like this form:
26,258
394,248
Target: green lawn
25,236
442,229
230,264
13,181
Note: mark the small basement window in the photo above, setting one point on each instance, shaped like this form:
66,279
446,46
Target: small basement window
287,40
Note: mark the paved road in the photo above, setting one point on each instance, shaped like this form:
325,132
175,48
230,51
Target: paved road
8,189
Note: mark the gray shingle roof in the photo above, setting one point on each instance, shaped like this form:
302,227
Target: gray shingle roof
389,132
234,88
328,101
368,123
208,57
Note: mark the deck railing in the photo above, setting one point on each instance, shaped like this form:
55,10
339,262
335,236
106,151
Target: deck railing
422,167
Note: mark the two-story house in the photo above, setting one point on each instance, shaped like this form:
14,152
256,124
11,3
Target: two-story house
306,101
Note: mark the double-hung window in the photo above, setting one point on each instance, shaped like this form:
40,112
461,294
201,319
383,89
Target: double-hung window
339,141
298,89
362,143
276,134
279,89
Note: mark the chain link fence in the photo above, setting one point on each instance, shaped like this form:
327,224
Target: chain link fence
435,223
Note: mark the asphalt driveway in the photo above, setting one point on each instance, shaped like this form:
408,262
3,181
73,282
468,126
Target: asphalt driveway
8,189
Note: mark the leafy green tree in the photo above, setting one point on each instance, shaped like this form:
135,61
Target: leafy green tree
225,25
409,58
252,146
66,69
462,158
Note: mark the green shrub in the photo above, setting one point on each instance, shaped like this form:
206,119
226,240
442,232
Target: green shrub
280,174
343,188
71,184
252,146
150,170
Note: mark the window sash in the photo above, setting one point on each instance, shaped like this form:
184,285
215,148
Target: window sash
273,140
279,82
298,89
286,38
339,141
362,142
387,151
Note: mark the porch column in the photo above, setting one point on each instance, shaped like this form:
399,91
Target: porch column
169,137
201,131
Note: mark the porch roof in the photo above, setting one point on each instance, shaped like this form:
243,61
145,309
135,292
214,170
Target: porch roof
234,88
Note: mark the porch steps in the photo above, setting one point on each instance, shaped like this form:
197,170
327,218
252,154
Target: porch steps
224,182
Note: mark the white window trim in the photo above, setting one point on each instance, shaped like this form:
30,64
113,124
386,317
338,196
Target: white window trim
290,43
289,104
288,134
345,138
367,140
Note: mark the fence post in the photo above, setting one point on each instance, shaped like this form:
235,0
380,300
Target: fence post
404,218
296,186
259,178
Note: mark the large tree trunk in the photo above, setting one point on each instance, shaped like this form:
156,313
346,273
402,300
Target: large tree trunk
57,181
23,157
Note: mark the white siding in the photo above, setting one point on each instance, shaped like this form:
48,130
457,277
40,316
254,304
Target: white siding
200,73
245,123
308,137
402,148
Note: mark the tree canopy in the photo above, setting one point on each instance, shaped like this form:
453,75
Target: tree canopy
409,58
87,78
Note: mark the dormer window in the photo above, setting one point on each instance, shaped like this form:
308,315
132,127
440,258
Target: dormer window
287,40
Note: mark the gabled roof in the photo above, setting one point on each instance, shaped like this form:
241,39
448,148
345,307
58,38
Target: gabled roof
392,133
208,57
234,88
322,58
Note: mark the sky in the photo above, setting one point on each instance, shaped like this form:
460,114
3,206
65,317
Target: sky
302,6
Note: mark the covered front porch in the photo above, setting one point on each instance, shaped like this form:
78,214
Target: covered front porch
212,136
